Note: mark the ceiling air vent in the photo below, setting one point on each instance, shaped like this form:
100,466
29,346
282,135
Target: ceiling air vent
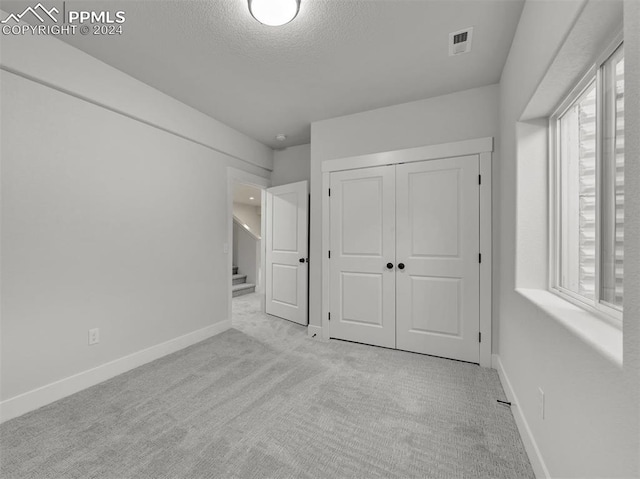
460,41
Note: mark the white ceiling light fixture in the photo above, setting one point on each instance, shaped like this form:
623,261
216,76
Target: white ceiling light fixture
251,198
281,137
274,13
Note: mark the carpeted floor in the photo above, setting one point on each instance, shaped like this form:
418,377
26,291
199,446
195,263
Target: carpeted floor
264,401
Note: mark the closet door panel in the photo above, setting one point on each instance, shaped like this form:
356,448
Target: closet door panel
362,291
438,234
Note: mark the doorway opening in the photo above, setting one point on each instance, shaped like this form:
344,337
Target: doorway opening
246,244
267,246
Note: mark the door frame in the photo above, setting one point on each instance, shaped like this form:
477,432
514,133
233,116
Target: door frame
235,176
483,148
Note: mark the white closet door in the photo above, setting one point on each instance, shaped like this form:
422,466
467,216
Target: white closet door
363,240
286,251
438,228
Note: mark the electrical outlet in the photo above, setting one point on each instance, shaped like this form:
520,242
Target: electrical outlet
541,402
94,336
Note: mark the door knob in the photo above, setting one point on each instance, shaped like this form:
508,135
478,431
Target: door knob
389,265
302,260
400,265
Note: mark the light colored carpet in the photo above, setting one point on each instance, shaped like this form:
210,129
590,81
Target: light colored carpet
264,401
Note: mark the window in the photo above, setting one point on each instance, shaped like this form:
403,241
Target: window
588,190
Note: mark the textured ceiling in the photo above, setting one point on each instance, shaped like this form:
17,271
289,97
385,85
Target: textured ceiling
337,57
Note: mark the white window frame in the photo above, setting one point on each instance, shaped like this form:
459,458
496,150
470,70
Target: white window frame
596,306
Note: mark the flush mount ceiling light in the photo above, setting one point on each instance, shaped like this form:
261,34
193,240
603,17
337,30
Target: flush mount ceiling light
274,12
281,137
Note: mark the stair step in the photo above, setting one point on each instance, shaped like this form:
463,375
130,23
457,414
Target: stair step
244,288
235,270
238,278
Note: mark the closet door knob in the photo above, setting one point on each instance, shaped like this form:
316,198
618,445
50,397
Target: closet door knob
389,265
400,265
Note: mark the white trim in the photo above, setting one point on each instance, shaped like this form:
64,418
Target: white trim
32,400
603,336
590,75
239,222
326,242
530,445
481,147
262,275
486,266
235,175
593,76
552,207
421,153
317,330
602,310
588,79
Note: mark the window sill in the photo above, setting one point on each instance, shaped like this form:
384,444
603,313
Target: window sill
594,331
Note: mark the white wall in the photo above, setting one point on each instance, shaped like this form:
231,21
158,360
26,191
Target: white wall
291,165
107,222
249,215
590,428
40,57
458,116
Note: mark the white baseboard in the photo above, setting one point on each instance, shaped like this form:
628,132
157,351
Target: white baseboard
31,400
530,445
317,330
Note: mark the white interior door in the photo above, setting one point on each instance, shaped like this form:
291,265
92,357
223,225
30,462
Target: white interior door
286,245
362,294
437,241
